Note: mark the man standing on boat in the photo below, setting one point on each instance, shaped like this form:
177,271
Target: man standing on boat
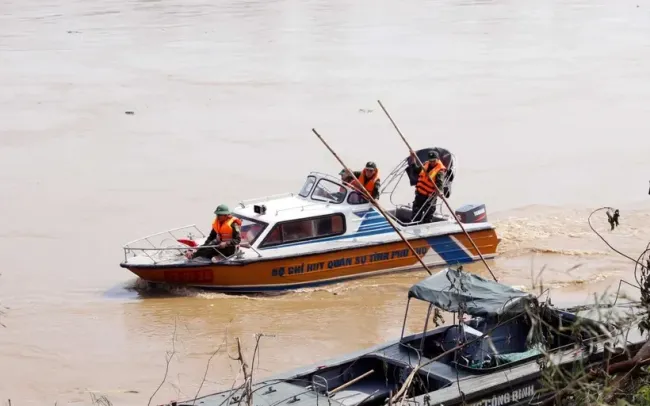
424,189
224,237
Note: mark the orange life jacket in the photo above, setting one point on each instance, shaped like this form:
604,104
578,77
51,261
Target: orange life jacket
224,229
369,184
426,185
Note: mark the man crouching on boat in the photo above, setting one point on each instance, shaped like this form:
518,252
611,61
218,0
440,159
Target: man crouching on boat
367,179
224,237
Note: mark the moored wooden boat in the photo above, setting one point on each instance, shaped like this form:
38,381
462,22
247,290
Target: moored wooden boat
325,233
497,357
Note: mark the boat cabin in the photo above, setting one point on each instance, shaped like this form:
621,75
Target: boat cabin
321,209
325,207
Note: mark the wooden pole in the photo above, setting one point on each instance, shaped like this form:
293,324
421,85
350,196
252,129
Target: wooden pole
374,203
345,385
438,191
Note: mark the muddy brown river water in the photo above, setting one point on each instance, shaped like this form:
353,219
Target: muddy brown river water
544,103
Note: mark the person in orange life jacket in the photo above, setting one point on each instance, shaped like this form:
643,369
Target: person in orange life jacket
433,168
225,234
368,178
346,177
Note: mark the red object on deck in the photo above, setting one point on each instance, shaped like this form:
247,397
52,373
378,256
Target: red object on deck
187,242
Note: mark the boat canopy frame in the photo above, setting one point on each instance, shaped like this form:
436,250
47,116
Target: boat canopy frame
460,292
454,290
394,178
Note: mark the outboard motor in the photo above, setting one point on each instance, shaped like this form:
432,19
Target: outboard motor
447,159
472,213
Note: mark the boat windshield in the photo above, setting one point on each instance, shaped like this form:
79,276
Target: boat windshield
251,229
329,191
307,186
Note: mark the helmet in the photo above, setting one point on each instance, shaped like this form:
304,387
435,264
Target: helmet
433,154
371,165
221,210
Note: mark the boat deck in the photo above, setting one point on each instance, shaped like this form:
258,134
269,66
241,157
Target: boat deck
401,354
272,392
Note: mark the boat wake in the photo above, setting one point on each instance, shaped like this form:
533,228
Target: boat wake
384,284
562,231
557,251
142,288
349,287
559,284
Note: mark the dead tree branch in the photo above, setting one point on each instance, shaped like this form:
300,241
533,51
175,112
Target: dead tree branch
580,386
207,367
168,359
99,401
247,377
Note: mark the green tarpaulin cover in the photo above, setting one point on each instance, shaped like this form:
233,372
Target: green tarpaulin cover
453,290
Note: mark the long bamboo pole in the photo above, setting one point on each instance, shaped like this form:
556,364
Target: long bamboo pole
438,191
374,203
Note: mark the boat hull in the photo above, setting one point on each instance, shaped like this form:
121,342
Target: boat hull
440,382
321,268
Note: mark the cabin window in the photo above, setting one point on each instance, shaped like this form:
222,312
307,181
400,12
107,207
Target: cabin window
328,191
305,229
307,186
251,229
356,198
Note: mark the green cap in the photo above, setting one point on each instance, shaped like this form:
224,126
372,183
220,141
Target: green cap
222,209
371,165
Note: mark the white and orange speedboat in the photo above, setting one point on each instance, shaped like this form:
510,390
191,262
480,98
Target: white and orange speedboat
325,233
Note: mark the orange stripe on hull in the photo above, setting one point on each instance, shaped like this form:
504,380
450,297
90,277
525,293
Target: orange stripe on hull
486,241
306,269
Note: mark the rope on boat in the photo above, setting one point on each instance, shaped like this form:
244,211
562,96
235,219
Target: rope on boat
439,193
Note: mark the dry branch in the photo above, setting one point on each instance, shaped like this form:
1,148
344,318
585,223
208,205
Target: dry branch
207,368
168,359
247,377
99,401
